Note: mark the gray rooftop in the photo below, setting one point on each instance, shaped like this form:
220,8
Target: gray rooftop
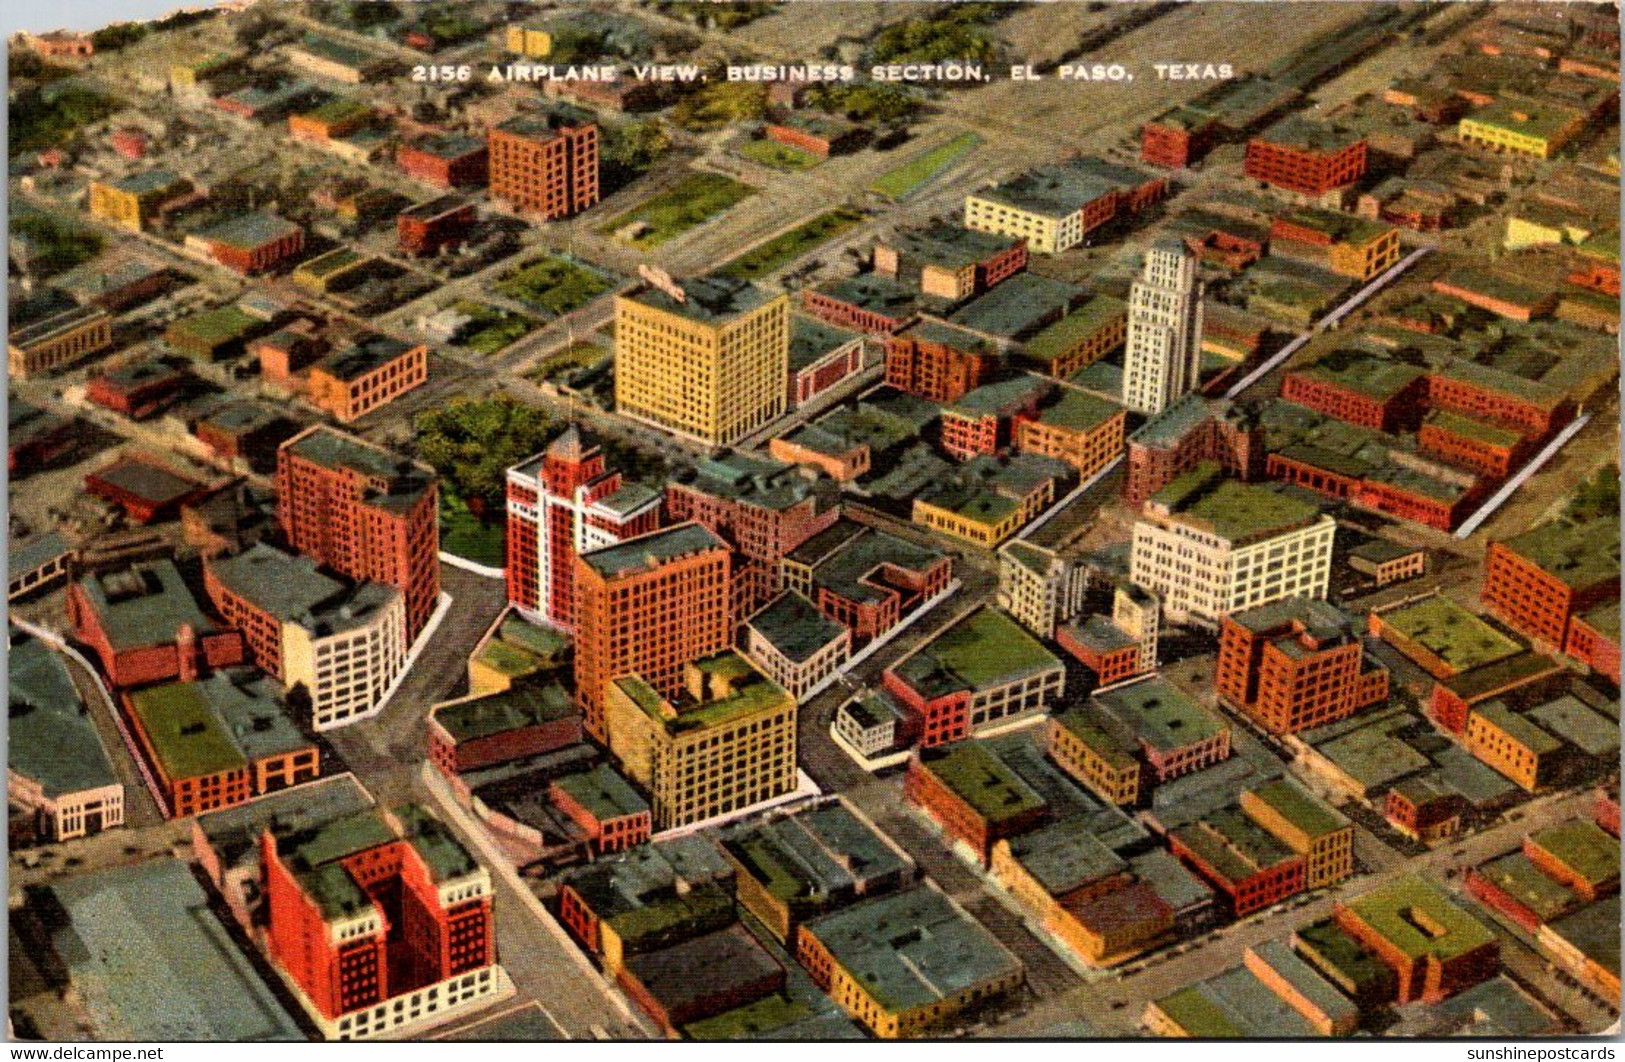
794,626
291,589
818,852
144,604
50,735
645,552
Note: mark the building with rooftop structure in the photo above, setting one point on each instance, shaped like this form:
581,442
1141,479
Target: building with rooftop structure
981,671
215,742
250,243
137,389
1163,361
988,499
647,898
1435,948
708,359
1540,581
352,382
974,795
816,134
213,335
344,645
1441,637
701,977
117,281
1210,546
763,507
1076,427
1179,137
380,908
1038,587
545,163
864,578
821,356
1189,432
1521,125
133,201
725,741
1295,664
1306,824
36,562
939,361
429,227
57,769
1372,392
364,513
148,492
796,644
1125,741
906,963
949,262
58,340
145,625
1579,855
1513,886
1119,646
798,864
613,815
1242,860
562,502
151,961
648,606
1305,156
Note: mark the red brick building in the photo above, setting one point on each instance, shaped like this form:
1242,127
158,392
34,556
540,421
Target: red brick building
1539,581
763,508
451,161
1368,392
1500,398
1594,640
1180,137
868,302
144,625
1435,948
137,390
388,908
444,221
365,513
1293,665
819,135
939,361
1307,157
985,420
1102,647
1240,859
1488,449
562,497
1191,431
648,607
608,809
354,381
546,164
147,492
973,794
481,731
250,243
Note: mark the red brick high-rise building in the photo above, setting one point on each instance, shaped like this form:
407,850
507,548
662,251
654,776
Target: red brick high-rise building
939,361
546,164
379,909
647,607
763,508
1294,664
365,513
1192,430
560,503
1537,582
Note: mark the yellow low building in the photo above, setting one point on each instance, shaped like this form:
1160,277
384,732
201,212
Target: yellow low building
58,341
528,42
1522,126
1307,825
132,201
1086,752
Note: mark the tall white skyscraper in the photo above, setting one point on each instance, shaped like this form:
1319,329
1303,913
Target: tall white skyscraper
1164,359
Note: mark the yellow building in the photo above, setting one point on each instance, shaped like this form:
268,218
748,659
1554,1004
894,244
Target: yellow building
726,742
1512,744
1084,431
984,519
133,201
1307,825
709,360
1085,751
58,340
528,42
905,964
1522,126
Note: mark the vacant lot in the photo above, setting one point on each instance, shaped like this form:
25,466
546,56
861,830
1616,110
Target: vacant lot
899,183
787,247
696,199
492,327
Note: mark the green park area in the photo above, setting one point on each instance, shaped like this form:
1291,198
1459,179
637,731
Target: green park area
555,285
566,360
785,248
491,328
903,181
465,535
694,200
779,156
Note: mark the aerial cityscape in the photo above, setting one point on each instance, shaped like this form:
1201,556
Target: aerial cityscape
799,520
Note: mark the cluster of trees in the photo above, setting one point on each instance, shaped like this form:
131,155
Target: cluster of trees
867,102
55,246
717,16
718,104
46,116
473,443
1596,498
955,32
627,150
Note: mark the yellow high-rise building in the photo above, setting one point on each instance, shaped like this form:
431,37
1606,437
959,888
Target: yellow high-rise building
709,359
726,742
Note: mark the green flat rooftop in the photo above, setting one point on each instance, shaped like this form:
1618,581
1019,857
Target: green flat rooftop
1301,808
984,650
795,627
520,706
1588,850
982,780
217,326
1376,377
1230,509
1076,328
1161,714
1519,878
1580,555
1452,633
1078,411
1392,911
603,792
753,693
188,738
1233,845
1476,430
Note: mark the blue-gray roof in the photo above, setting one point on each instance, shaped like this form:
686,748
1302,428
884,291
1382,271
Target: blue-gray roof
50,735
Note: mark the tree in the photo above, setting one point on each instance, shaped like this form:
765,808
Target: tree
626,151
1596,498
718,104
472,444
